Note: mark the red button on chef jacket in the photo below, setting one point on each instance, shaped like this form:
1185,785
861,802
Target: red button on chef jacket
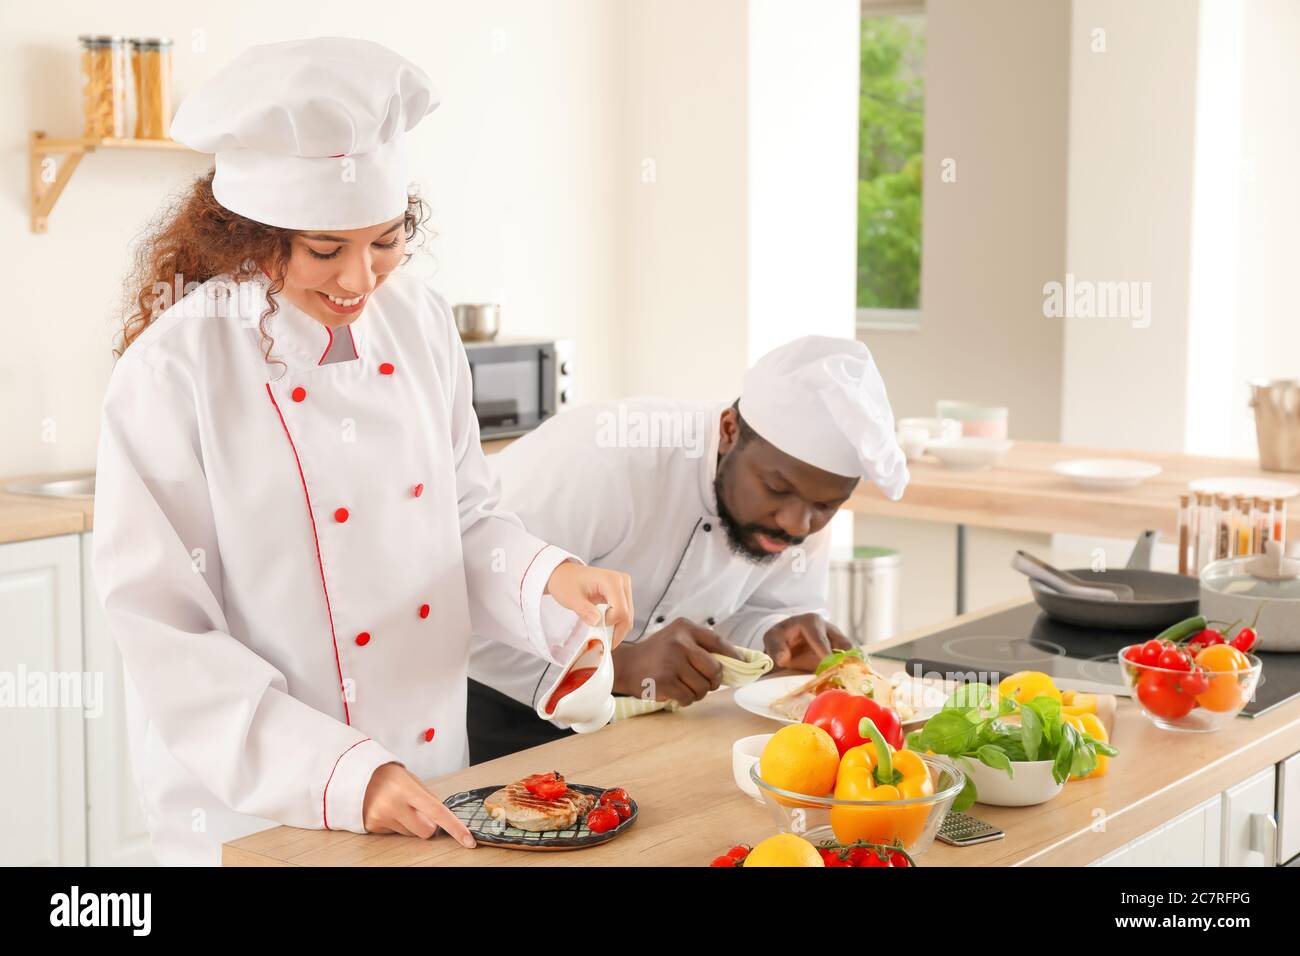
298,394
341,515
386,368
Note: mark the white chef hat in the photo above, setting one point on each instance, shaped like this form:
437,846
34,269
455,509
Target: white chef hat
821,400
308,133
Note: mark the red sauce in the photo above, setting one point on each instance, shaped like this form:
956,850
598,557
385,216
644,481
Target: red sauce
571,682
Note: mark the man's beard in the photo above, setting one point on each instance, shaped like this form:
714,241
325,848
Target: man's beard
739,536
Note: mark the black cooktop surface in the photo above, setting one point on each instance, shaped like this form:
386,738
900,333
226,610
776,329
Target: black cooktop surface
1025,639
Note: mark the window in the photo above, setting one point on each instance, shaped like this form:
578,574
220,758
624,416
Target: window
891,126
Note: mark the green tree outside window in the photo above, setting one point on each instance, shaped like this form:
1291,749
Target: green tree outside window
890,135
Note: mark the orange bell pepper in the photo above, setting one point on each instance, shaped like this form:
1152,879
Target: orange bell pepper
872,771
1091,725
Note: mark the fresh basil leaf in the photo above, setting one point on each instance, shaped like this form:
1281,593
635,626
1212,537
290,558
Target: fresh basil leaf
978,697
1064,754
835,657
915,741
948,732
1101,747
967,796
1007,705
1031,731
1085,760
992,757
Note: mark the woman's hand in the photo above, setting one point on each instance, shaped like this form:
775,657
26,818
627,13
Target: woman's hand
580,588
397,802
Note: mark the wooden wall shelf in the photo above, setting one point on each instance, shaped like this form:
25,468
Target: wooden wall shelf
66,154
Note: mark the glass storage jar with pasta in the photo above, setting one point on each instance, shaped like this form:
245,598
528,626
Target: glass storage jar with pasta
103,85
151,64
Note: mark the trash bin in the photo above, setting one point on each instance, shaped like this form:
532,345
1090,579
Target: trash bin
865,594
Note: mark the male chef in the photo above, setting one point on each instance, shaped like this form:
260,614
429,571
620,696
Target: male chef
719,513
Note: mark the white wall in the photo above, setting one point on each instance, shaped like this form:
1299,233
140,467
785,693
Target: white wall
516,164
1132,116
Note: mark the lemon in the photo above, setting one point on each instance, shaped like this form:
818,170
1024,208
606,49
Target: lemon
1024,686
800,758
784,849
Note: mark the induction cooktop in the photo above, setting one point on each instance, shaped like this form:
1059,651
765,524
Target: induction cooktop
1079,658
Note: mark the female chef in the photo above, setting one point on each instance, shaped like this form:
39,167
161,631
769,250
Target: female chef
296,529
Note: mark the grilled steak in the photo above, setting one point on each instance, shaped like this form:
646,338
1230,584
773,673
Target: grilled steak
528,812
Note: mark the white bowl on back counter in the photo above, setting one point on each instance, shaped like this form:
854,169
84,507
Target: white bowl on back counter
970,452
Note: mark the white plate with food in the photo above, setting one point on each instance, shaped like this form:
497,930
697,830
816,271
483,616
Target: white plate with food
786,699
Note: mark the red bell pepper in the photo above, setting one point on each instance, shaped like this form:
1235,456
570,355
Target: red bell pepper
839,713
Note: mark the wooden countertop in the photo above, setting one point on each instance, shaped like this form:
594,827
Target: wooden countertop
26,517
678,768
1022,493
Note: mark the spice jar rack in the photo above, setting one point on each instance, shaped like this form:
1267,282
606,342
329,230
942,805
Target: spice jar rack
53,162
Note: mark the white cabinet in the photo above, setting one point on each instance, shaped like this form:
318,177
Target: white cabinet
115,830
1235,828
1250,823
1288,809
44,688
1192,839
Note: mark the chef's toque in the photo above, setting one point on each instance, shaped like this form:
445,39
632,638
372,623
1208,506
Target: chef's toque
821,400
308,133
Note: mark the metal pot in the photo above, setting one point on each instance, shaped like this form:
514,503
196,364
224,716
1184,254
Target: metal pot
1277,423
478,323
1229,592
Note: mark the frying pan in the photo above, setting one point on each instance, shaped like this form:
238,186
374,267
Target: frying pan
1159,598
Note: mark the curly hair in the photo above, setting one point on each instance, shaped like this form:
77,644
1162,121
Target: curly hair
197,239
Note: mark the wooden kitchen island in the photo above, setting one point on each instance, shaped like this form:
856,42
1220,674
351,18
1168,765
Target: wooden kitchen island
678,768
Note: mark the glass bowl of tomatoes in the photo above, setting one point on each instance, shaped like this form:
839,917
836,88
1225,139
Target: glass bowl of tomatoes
910,823
1188,688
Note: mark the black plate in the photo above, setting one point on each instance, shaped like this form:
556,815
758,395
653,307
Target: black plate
468,807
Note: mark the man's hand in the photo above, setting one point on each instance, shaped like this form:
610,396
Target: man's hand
677,658
800,643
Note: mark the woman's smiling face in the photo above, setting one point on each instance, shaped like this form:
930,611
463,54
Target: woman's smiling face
331,275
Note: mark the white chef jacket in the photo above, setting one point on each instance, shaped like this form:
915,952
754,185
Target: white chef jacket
629,485
292,558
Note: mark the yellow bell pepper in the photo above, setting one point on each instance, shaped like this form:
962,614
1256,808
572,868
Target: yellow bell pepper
1024,686
1091,725
1074,702
872,771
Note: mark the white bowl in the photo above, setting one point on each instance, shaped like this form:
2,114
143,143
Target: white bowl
1106,474
744,754
1032,784
970,452
589,706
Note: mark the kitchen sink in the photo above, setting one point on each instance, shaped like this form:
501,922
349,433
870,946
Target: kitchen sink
75,485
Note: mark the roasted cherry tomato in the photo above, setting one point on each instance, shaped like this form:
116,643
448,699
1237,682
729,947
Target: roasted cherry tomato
723,861
602,820
624,810
611,795
738,852
547,786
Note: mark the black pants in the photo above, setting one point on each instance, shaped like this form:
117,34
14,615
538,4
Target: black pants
499,725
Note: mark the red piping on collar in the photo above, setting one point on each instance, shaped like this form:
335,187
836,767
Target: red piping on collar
328,345
347,716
